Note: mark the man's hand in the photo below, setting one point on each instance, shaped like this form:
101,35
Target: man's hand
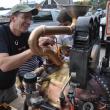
46,41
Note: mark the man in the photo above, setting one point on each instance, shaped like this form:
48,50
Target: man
14,50
65,20
64,42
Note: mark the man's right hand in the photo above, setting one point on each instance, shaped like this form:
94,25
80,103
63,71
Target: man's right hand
46,41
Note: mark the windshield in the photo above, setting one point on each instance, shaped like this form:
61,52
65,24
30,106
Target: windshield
43,16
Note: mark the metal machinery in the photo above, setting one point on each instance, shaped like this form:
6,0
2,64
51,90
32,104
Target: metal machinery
82,85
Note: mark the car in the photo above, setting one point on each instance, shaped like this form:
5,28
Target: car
103,21
99,12
45,17
89,13
102,30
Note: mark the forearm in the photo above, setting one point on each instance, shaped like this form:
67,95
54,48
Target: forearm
15,61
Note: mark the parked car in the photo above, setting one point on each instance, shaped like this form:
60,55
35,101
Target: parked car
45,17
103,20
99,12
89,13
102,30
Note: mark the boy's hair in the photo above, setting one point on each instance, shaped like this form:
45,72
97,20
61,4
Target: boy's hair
64,17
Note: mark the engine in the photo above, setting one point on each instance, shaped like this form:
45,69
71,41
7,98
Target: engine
80,85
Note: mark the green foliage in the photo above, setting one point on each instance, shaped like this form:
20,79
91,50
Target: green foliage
2,8
83,3
99,3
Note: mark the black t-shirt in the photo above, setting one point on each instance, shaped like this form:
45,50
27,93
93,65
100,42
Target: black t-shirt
12,45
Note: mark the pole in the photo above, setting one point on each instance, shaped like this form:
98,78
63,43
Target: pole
98,3
20,1
27,1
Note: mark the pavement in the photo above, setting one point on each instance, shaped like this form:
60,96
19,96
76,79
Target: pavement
18,102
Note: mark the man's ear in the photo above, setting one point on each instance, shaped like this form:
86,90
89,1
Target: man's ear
12,17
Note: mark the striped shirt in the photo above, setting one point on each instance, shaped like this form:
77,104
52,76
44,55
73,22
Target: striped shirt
30,65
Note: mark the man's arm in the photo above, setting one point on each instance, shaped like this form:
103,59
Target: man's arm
8,63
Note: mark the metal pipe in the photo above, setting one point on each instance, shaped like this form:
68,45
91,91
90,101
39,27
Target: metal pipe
44,31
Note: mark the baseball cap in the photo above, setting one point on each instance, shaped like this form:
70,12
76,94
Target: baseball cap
23,8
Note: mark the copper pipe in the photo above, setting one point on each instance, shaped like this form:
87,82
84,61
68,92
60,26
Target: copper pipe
44,31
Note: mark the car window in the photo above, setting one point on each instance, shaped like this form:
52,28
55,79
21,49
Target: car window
55,14
42,16
89,13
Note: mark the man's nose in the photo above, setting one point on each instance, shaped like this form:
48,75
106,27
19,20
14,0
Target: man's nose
29,20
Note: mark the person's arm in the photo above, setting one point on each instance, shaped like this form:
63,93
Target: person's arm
8,63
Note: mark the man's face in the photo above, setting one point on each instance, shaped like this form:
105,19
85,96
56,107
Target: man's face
22,21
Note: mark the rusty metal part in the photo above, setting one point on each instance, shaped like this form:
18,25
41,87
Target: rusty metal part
102,106
88,97
39,70
103,81
99,85
5,106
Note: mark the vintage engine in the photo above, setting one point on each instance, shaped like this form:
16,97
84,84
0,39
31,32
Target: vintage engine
84,62
80,86
84,56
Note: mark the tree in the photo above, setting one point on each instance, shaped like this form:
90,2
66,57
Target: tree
99,3
2,8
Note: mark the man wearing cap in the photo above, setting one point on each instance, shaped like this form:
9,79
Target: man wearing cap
14,50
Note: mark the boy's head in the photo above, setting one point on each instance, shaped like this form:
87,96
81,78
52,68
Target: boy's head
64,18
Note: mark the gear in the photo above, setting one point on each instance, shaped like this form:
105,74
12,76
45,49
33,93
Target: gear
104,83
88,97
88,106
97,93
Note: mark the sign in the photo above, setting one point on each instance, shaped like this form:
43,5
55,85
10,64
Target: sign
108,19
